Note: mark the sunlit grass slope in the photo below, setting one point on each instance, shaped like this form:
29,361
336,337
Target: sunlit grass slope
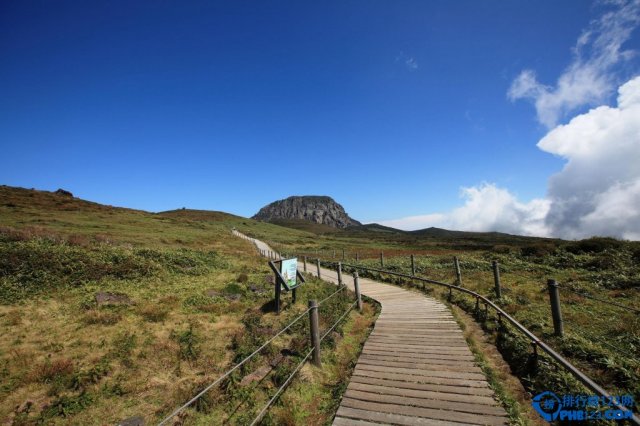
185,300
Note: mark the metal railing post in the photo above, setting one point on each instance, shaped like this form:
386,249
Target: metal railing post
356,286
357,257
381,259
315,331
556,313
496,278
304,260
339,273
318,263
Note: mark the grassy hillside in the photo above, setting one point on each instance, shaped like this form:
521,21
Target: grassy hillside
108,313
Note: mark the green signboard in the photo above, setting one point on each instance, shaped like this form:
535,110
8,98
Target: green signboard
288,269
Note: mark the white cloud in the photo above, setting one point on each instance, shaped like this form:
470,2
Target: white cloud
598,190
486,208
411,223
409,61
412,64
589,79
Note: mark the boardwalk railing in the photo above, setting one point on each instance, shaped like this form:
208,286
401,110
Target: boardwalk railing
535,341
315,340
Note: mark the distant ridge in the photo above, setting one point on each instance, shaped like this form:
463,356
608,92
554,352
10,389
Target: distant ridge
311,208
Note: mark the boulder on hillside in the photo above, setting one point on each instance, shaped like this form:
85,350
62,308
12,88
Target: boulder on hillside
64,193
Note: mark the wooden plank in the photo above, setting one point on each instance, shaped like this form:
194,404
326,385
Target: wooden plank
424,370
448,365
343,421
393,419
425,394
428,413
430,376
417,348
416,378
463,407
419,341
454,371
364,378
431,352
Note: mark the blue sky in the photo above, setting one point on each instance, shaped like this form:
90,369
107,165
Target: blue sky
390,107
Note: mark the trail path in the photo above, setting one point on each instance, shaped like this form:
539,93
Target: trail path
416,367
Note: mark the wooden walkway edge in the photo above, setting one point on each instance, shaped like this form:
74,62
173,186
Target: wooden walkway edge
416,367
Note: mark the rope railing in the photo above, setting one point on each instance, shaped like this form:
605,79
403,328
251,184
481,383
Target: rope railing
258,350
238,365
586,296
585,335
298,367
584,379
281,389
331,295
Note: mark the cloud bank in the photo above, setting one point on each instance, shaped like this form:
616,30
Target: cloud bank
487,208
598,190
596,193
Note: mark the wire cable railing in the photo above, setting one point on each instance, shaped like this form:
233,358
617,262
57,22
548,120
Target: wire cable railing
259,349
234,368
586,296
298,367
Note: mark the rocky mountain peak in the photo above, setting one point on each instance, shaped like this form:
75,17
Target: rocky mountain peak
312,208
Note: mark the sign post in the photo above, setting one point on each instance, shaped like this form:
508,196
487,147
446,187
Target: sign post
287,278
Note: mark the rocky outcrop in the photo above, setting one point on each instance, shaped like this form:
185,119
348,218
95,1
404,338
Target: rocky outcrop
64,193
317,209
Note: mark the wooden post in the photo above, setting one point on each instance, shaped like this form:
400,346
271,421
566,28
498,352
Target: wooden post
496,278
413,266
278,291
556,312
318,261
458,274
334,254
356,285
339,273
304,260
315,331
343,255
381,259
357,257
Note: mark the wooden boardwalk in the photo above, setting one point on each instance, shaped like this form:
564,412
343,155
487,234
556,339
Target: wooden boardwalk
416,367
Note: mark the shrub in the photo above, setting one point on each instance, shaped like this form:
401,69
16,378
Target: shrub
538,249
189,343
123,346
99,316
593,245
154,313
49,371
